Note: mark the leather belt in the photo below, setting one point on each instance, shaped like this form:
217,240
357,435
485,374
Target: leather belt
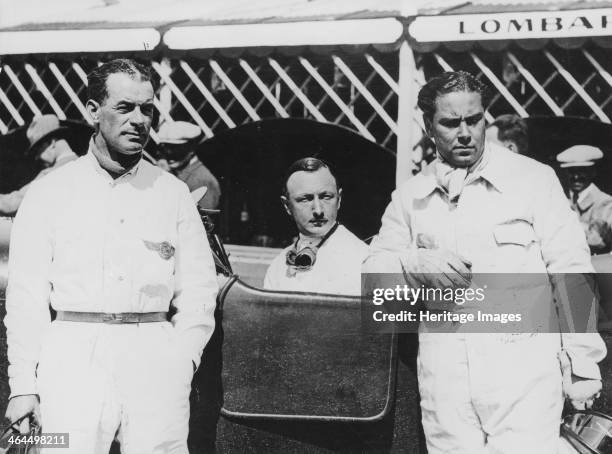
111,318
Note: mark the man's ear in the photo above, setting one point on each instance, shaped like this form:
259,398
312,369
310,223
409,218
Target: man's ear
511,146
93,108
285,203
339,198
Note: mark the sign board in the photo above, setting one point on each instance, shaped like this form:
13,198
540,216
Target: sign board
518,25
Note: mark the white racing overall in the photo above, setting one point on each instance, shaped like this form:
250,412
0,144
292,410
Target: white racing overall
492,393
87,243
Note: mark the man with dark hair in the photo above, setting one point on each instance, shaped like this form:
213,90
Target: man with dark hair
48,144
510,131
479,208
326,257
97,88
108,242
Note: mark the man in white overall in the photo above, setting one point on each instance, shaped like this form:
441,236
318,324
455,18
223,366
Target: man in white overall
109,241
480,208
326,257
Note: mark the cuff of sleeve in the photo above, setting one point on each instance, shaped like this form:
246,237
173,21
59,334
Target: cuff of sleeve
584,368
22,384
192,341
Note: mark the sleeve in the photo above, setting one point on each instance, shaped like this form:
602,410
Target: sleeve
196,285
271,281
211,199
565,250
563,243
599,232
585,351
27,296
267,283
9,203
393,246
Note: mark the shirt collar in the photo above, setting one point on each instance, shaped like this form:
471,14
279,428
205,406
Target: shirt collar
586,192
493,171
586,198
101,171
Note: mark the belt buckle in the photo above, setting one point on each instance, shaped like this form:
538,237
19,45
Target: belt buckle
114,318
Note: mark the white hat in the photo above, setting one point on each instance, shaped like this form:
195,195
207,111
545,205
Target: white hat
178,132
579,156
42,128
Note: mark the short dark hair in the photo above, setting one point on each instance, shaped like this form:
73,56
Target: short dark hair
96,79
307,165
449,82
514,128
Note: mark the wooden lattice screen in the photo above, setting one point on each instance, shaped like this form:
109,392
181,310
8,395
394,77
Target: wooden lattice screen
550,81
356,90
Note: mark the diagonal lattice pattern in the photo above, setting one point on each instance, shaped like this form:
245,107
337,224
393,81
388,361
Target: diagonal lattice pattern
355,90
351,90
550,81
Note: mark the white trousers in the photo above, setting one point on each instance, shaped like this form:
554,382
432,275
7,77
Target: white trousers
99,381
490,393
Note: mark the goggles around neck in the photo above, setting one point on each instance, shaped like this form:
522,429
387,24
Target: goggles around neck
305,258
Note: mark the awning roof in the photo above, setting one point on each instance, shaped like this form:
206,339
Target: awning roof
31,26
493,24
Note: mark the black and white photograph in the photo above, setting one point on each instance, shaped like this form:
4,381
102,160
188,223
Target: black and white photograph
306,226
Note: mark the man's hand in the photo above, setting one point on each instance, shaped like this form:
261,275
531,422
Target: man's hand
22,405
581,392
442,268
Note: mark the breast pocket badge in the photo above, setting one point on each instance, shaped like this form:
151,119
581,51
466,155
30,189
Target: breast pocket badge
164,249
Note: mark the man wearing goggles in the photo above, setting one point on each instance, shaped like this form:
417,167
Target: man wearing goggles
326,257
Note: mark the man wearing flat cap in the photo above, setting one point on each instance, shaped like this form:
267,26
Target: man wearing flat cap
48,144
177,141
594,207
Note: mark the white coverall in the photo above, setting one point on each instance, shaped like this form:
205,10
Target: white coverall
82,241
492,393
337,269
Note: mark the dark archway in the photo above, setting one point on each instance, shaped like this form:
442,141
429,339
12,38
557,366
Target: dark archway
250,162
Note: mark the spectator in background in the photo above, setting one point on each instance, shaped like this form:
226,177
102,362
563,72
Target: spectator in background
48,144
326,257
594,207
178,140
510,131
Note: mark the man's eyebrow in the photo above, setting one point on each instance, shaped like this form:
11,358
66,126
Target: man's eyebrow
132,103
476,116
